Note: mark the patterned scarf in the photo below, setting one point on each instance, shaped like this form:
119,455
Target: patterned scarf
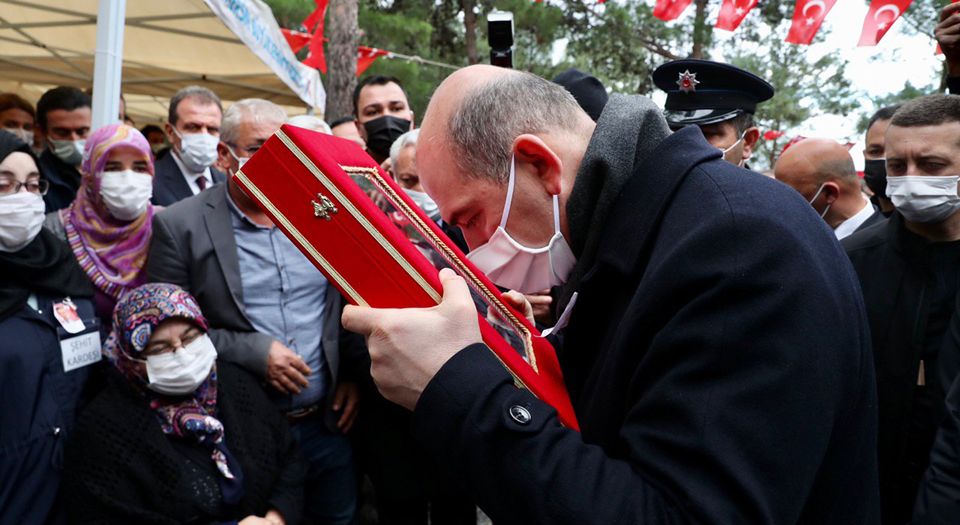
136,316
113,253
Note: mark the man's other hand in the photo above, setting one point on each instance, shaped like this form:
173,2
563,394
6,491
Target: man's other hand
948,36
408,346
286,371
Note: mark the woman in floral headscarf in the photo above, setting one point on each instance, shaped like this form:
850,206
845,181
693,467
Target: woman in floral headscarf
176,436
108,225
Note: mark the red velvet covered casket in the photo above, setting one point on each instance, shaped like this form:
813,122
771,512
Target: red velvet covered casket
379,249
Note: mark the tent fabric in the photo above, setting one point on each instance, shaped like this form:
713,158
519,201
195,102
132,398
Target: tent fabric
167,45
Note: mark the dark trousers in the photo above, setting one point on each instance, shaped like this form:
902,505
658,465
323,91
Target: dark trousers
330,488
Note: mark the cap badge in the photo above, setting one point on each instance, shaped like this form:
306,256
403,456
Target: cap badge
688,82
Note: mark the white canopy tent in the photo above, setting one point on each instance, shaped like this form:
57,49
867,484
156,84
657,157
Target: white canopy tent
167,45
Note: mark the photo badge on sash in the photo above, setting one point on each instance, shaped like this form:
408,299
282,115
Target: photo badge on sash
79,339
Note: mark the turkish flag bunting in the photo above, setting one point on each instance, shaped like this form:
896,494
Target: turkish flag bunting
807,17
366,56
316,58
668,10
296,39
732,12
881,15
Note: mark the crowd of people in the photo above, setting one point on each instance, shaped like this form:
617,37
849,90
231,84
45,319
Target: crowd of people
738,348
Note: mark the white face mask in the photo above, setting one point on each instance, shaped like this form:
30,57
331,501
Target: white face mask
425,203
69,151
21,217
729,149
517,267
180,372
924,198
198,151
126,194
240,160
22,134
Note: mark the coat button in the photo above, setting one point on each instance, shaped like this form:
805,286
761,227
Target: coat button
56,431
520,414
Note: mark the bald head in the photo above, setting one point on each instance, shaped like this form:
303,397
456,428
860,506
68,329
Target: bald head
811,162
479,110
479,120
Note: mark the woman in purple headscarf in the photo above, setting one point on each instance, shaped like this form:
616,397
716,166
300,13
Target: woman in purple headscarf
108,225
176,436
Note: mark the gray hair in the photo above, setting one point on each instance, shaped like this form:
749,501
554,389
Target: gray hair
249,109
407,139
492,115
311,122
199,93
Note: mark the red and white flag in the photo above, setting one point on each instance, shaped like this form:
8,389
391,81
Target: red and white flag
668,10
366,57
732,12
314,24
296,39
881,15
807,17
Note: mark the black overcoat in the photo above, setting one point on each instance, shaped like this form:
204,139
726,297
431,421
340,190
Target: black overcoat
718,358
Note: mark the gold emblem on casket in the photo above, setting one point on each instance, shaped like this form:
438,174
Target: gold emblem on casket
324,208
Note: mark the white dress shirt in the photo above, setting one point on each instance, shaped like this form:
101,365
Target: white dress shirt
191,178
847,227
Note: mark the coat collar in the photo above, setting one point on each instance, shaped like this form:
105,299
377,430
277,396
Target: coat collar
645,198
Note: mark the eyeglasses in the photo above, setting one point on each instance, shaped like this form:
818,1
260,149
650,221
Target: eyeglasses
9,187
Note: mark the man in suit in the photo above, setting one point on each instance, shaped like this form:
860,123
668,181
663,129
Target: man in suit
192,128
269,310
707,385
822,171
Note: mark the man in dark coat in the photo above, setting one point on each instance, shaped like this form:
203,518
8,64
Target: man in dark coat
709,384
63,122
908,269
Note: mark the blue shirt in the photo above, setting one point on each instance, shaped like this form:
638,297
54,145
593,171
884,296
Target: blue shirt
284,297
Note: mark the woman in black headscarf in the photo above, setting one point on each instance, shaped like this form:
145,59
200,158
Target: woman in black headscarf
48,339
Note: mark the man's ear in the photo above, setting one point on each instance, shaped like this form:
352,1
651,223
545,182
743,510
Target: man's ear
831,192
750,138
530,149
223,158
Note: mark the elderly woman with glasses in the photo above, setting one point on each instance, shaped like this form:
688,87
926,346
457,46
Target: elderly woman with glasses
48,340
177,436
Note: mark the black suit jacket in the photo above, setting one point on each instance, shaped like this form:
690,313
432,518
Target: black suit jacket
64,181
876,218
712,380
193,246
169,186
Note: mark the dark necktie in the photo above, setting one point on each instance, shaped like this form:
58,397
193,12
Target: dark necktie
202,182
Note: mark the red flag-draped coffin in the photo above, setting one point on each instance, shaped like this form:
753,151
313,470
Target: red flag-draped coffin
808,15
317,189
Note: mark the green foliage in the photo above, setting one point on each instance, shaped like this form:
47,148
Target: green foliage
908,92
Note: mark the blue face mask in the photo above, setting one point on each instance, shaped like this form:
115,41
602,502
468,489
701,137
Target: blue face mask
425,203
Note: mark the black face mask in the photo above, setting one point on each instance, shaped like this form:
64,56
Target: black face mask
875,175
383,131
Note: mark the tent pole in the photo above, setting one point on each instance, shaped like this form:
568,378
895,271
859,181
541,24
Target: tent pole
108,62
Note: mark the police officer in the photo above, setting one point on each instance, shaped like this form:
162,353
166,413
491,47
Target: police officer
719,98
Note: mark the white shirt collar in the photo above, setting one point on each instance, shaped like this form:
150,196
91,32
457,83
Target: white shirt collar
190,177
847,227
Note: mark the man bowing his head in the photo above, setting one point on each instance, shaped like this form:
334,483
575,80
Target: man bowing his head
707,386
